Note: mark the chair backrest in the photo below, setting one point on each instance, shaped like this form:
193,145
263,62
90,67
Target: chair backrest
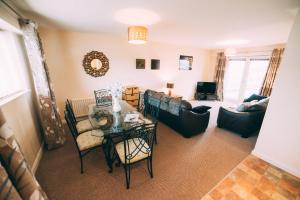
69,108
139,139
103,98
71,125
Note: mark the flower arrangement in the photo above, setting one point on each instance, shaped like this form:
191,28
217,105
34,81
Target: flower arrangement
115,90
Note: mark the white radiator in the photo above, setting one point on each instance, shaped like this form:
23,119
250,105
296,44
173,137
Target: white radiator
80,106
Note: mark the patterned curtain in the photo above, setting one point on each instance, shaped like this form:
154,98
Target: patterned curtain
219,75
16,179
272,71
54,134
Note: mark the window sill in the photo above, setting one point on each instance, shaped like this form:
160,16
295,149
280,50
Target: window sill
13,96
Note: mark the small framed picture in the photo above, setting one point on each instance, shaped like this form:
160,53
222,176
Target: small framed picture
185,62
140,63
155,64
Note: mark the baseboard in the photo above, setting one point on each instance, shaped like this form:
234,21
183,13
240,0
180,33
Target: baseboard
276,163
37,159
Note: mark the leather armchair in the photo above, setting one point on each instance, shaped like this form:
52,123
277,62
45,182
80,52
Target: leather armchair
243,123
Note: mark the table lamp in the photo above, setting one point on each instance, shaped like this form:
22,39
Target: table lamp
170,86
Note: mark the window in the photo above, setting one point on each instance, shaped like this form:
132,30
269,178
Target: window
11,64
244,76
233,79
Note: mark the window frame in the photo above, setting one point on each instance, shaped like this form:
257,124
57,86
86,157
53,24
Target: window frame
246,72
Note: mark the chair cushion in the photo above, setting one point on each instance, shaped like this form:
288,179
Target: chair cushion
83,126
90,139
136,154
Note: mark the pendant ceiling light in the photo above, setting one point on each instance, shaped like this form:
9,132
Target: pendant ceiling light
137,34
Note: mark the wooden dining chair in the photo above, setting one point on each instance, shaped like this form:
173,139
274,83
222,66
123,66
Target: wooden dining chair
81,125
85,141
103,98
136,146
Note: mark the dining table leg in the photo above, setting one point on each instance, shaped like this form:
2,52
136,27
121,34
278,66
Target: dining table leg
108,152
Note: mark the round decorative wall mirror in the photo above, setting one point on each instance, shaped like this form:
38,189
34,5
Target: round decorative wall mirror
95,63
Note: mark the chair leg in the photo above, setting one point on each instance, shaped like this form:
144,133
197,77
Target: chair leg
149,166
127,175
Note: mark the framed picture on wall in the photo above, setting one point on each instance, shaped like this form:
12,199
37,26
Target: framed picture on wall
185,62
155,64
140,63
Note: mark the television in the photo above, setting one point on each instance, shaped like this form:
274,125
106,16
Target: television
206,87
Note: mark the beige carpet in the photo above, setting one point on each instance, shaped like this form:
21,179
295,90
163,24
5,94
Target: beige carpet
183,168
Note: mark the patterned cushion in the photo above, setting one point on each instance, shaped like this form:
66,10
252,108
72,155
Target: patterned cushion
90,139
7,189
136,155
154,98
83,126
174,106
164,104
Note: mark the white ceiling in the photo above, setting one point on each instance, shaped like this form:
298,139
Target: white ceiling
198,23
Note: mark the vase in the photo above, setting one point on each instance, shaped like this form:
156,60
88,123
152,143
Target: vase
116,104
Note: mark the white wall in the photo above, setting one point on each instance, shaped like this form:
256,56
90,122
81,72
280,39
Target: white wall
65,52
279,138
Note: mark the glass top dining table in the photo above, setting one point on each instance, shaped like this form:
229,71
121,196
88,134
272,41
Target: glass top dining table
116,120
113,125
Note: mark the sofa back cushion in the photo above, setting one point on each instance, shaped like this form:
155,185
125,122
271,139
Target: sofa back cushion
164,104
154,98
174,106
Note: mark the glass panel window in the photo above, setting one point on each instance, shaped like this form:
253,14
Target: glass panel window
233,78
244,77
256,75
11,79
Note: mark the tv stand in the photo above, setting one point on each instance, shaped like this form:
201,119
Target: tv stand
205,96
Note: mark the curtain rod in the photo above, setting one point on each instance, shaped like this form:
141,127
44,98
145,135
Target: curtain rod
12,9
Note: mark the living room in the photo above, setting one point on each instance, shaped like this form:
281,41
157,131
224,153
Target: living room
203,81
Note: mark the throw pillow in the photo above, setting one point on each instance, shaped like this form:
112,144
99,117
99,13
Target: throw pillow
254,97
243,107
201,109
260,105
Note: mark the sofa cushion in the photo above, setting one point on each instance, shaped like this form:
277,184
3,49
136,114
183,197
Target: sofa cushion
254,105
244,107
154,98
259,105
164,104
201,109
255,97
174,106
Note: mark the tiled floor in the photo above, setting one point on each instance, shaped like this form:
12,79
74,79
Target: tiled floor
255,179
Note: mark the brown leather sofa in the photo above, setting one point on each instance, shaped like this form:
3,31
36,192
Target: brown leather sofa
178,114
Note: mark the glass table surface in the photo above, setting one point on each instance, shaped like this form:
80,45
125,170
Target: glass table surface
117,124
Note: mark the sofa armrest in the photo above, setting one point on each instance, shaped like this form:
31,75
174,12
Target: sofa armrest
192,123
